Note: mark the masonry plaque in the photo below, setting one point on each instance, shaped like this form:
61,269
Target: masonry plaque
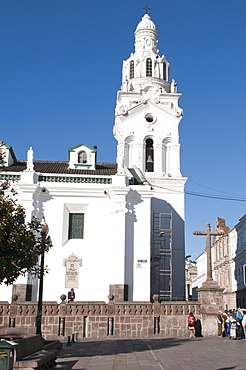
72,264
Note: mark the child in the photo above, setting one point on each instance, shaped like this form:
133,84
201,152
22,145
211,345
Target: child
191,325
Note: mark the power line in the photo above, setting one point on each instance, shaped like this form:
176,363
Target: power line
215,197
210,196
219,191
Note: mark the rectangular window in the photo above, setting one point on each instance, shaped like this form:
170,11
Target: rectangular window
244,274
76,226
149,67
132,69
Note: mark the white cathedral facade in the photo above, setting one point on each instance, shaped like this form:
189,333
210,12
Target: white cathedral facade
115,228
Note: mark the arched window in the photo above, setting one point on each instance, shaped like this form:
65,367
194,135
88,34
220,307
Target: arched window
132,69
82,157
149,67
164,71
149,157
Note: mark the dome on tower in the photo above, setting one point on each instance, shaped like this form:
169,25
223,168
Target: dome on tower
146,23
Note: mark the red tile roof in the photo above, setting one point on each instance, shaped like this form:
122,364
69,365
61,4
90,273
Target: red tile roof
102,169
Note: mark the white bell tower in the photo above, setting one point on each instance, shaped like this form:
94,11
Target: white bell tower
147,117
147,110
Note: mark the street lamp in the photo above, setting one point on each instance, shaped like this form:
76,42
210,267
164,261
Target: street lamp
44,232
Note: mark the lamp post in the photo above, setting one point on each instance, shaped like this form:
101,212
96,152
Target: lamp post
44,232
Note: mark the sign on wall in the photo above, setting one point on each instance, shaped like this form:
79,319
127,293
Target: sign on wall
72,264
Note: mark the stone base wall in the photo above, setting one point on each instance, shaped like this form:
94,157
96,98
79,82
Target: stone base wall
23,291
119,292
99,319
210,295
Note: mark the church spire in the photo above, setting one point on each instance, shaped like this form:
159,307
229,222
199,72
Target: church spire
145,61
147,109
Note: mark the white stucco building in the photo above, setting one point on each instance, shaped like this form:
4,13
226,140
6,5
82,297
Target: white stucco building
115,225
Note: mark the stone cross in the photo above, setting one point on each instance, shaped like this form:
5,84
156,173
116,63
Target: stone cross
208,234
146,9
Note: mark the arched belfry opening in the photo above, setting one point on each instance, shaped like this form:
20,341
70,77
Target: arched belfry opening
149,156
82,157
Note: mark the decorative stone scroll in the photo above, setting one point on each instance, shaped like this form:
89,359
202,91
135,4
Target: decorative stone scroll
72,264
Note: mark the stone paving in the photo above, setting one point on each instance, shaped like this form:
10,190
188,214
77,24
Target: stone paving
154,354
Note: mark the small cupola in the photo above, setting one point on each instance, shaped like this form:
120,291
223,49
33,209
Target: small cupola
8,154
82,157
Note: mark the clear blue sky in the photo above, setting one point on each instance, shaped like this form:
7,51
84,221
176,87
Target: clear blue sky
60,69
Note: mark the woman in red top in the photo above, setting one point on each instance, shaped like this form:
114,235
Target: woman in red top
191,325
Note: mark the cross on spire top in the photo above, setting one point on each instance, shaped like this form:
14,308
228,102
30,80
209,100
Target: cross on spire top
146,9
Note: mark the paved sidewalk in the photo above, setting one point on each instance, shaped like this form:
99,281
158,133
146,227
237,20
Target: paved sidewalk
154,354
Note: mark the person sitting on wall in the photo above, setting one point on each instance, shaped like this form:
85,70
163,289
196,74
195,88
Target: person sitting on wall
71,295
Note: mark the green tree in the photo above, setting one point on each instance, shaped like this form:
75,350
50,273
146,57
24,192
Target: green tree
20,243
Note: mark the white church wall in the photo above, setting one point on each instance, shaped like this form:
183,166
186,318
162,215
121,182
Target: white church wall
6,293
95,249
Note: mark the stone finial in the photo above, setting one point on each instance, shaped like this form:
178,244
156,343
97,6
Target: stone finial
63,297
110,298
14,298
156,298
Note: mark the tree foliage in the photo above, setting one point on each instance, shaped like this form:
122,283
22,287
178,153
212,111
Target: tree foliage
20,243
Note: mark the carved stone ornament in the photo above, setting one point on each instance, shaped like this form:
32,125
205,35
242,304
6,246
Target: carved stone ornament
122,110
178,111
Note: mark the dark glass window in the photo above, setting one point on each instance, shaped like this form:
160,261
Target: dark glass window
148,67
82,157
76,226
132,69
164,71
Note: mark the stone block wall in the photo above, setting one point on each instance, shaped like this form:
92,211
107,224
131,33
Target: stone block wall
99,319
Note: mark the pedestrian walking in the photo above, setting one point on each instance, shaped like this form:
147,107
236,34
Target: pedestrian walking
191,324
244,325
219,321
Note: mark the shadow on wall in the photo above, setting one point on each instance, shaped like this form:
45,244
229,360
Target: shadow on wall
198,329
134,198
167,252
